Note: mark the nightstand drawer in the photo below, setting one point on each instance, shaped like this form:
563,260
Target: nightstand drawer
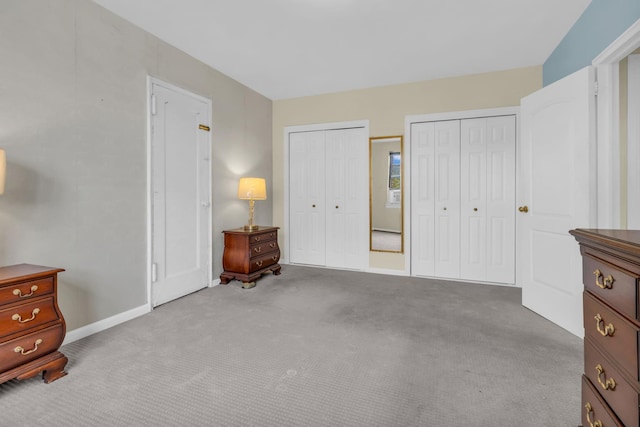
25,316
617,337
264,261
261,249
612,284
612,385
26,290
596,412
263,237
30,347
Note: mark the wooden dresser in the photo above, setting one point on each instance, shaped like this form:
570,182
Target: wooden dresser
31,325
249,254
611,276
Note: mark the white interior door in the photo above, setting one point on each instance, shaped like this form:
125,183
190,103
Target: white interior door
487,238
556,184
307,217
347,198
501,200
423,199
180,185
435,198
473,231
447,199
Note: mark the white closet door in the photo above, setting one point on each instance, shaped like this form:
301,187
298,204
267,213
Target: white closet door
487,231
447,198
501,193
473,147
347,198
307,197
423,199
435,198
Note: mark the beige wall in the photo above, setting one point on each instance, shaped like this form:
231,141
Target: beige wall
73,90
386,108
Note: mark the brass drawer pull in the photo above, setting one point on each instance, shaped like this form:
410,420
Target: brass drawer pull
589,409
257,249
607,283
608,330
18,292
271,234
609,384
256,239
272,245
19,318
275,258
20,350
259,263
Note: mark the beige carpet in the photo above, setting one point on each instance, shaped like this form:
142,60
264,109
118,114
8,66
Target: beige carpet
317,347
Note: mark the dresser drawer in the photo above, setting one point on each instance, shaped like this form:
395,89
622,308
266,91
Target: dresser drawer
595,412
614,335
30,346
264,261
260,249
26,290
263,237
25,316
612,385
619,288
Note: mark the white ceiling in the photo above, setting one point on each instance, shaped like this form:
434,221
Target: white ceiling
290,48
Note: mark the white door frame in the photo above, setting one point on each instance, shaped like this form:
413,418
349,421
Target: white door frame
307,128
406,154
150,82
608,133
633,142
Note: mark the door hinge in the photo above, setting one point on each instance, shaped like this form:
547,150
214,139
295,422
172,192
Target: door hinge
154,105
204,127
154,272
595,88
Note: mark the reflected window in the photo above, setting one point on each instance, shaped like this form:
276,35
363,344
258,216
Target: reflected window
393,191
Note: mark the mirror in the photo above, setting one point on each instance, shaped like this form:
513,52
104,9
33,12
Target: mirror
385,194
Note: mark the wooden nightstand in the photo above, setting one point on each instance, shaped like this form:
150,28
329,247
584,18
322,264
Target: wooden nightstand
31,325
249,254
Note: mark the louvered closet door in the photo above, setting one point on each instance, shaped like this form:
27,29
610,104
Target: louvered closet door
347,207
487,220
435,198
307,197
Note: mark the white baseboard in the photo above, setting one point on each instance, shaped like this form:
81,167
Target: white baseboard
387,271
104,324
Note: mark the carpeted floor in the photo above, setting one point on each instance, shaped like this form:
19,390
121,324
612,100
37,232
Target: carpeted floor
318,347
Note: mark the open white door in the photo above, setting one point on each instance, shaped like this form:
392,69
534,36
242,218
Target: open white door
180,186
556,193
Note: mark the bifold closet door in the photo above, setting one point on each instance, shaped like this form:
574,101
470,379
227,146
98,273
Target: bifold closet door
435,199
329,198
307,208
487,218
347,198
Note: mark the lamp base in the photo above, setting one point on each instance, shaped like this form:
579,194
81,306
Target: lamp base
251,227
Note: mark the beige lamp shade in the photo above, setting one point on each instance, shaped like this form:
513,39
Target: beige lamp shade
252,189
3,170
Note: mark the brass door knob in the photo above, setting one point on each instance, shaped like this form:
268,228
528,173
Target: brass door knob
524,209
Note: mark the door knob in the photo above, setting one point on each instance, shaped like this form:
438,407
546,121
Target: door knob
524,209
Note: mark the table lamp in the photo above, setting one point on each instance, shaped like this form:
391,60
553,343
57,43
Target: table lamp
252,189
